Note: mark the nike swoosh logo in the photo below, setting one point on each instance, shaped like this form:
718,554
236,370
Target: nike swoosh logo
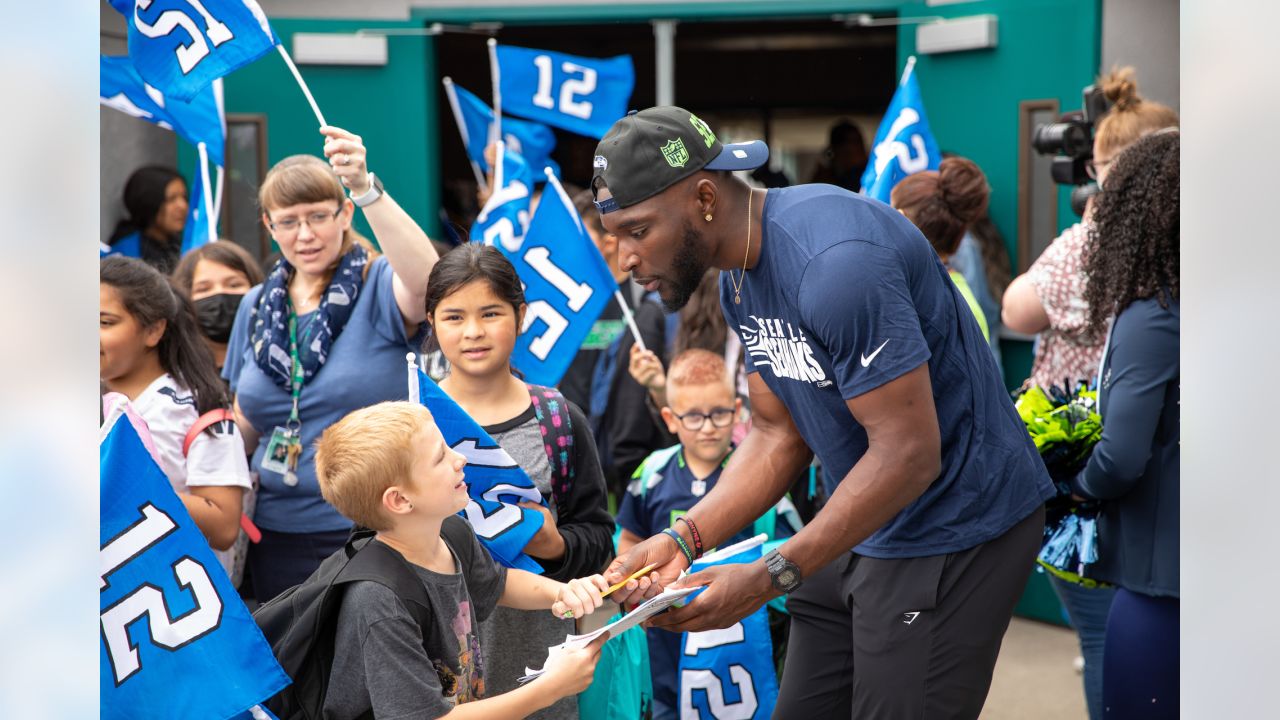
867,360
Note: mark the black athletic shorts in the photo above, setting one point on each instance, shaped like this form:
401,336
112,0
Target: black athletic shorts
906,638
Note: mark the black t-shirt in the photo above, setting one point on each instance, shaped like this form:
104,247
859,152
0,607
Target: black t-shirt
380,660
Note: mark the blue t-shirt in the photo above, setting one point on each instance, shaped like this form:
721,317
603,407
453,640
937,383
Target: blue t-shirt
848,296
365,366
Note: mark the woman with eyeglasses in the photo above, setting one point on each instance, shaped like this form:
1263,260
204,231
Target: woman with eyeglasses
1049,300
326,333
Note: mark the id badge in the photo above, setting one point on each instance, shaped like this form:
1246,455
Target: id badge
276,458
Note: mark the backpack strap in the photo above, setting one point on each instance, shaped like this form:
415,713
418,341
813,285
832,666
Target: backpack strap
552,411
215,415
201,424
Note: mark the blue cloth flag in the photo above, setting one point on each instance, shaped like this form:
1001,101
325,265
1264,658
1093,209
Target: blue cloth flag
199,120
495,482
579,94
729,673
196,231
566,285
505,218
180,46
904,144
532,141
175,639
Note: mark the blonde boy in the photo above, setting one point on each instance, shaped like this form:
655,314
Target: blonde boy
387,467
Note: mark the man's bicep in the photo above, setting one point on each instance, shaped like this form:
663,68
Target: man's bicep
768,412
900,415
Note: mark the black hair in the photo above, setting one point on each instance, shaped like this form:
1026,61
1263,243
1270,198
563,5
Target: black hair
143,198
1132,252
468,263
150,298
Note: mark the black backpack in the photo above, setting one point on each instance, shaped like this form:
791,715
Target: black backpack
301,622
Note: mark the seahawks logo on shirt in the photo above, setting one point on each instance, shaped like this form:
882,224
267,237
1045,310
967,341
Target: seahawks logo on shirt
783,348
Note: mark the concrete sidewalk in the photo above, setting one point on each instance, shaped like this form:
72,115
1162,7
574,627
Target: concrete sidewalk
1035,676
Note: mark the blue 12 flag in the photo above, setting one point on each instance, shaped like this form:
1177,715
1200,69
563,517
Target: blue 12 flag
904,144
505,217
175,638
566,285
532,141
579,94
180,46
729,673
199,120
495,482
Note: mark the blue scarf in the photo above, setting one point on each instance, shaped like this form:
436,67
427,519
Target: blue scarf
270,338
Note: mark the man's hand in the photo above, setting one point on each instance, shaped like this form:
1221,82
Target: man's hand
733,592
659,551
548,543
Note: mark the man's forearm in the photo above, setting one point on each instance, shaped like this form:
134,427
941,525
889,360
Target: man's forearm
760,472
876,489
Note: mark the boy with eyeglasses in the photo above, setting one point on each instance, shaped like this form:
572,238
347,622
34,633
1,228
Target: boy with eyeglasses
701,408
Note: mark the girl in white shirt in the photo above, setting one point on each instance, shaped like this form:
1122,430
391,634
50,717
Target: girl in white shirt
151,352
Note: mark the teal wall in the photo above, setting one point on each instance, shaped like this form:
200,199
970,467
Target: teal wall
391,107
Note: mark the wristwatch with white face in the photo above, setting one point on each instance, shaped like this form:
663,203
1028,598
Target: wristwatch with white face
784,574
373,193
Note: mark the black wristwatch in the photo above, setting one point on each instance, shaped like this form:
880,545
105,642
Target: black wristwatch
784,574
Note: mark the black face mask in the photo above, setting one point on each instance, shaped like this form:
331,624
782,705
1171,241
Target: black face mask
217,313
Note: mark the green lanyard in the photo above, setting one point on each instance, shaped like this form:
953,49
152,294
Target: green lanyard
294,426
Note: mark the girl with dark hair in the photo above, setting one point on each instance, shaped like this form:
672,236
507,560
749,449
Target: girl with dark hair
216,276
151,353
324,334
156,199
944,203
1131,264
475,305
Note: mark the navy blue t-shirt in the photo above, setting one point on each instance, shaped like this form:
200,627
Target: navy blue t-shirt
848,296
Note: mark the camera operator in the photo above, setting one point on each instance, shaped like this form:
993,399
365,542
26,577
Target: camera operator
1049,299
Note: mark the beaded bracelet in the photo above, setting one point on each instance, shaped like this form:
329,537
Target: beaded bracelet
684,546
693,532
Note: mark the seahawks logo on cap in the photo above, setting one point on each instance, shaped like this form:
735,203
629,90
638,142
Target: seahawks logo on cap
675,153
703,129
601,162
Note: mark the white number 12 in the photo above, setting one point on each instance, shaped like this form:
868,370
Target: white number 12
579,86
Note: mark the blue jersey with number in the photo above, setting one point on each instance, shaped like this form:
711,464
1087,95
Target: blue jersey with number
847,296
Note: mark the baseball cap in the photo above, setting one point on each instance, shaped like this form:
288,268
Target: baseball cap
648,151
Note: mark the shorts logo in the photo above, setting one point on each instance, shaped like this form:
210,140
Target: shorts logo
910,617
776,344
703,129
675,153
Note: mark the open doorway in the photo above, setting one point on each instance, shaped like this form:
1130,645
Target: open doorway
785,80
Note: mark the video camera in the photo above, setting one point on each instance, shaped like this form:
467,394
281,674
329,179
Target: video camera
1070,141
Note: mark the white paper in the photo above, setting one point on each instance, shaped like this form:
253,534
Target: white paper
646,610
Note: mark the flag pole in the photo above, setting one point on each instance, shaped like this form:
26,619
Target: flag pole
217,193
617,293
452,95
301,83
906,71
495,131
415,395
207,191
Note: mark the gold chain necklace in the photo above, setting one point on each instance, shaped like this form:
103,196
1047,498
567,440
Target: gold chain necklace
737,285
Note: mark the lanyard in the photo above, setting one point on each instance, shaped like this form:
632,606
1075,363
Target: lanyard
295,423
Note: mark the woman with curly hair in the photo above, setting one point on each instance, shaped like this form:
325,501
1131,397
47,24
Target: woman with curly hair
1048,300
1131,265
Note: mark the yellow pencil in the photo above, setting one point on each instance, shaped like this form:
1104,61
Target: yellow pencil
638,574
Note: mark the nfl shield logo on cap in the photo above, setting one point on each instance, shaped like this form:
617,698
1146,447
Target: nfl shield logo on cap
675,153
